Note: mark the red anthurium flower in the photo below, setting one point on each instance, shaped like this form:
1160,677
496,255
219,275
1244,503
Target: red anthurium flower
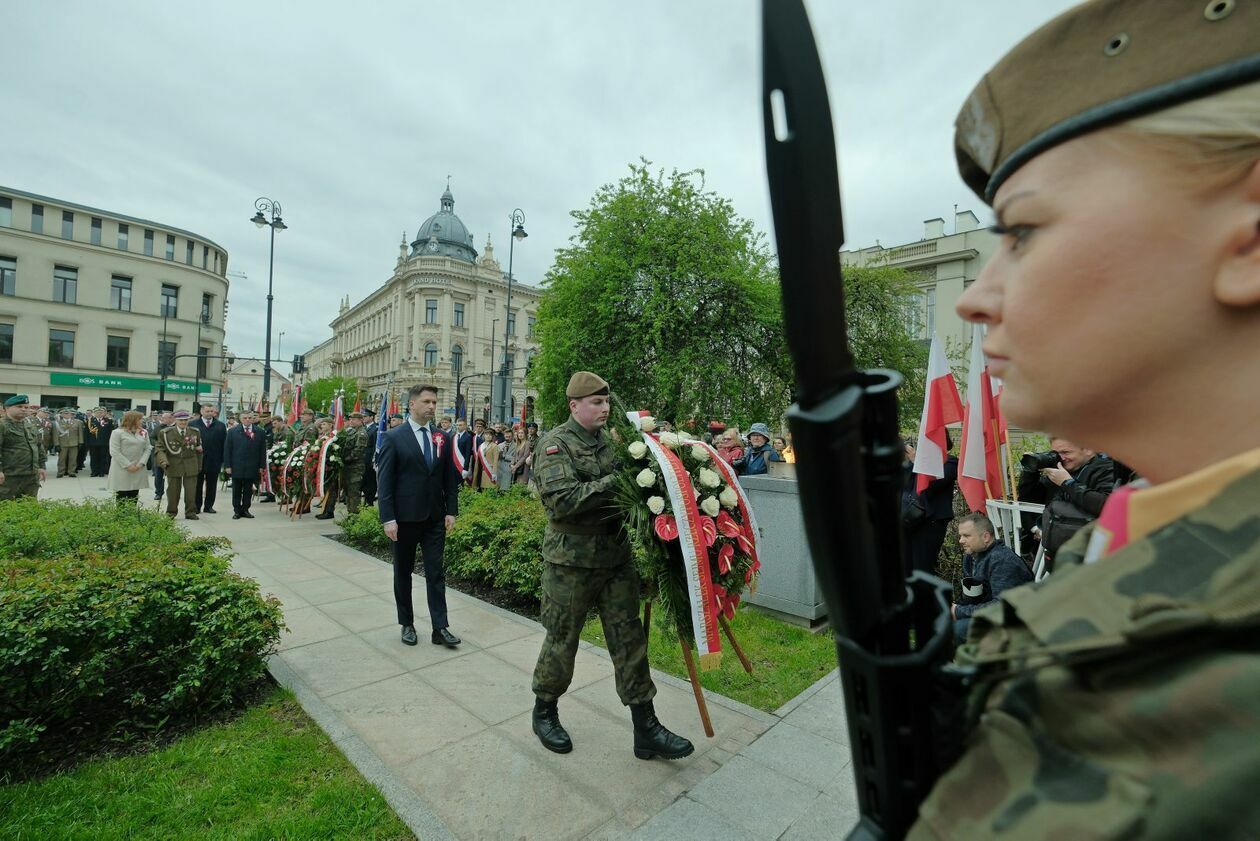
745,545
725,556
710,530
726,525
729,607
666,527
719,596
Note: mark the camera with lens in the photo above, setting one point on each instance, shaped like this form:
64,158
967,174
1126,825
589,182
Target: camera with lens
1039,461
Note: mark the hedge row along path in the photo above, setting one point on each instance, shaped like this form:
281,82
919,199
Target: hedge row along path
445,734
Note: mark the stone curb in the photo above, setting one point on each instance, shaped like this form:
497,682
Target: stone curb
809,692
408,805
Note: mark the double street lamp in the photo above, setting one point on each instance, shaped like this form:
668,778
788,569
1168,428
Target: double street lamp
517,227
264,207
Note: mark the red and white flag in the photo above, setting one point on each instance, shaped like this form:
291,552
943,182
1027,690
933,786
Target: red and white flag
980,463
941,406
339,414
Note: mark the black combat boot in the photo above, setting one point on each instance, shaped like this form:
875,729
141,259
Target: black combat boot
548,728
651,739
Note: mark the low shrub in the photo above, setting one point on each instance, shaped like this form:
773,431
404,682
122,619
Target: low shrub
497,538
131,630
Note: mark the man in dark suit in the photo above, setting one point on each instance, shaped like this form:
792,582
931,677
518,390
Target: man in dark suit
418,491
244,456
464,442
370,430
213,438
99,429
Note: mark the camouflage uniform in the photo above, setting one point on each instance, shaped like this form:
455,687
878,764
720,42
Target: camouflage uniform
22,456
587,564
352,465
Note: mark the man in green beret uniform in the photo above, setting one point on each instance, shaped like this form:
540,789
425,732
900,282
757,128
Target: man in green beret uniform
587,564
178,452
69,438
22,454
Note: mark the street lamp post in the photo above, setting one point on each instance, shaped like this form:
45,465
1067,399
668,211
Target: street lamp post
162,363
494,326
262,207
203,321
517,228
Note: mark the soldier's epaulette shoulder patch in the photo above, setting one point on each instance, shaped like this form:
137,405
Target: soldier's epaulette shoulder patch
552,450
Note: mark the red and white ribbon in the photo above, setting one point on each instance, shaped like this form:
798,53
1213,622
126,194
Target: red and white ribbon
481,457
321,476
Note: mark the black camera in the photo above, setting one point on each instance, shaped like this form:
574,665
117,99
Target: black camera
1039,461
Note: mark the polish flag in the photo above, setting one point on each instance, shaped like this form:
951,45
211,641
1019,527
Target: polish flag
295,408
339,414
941,406
980,464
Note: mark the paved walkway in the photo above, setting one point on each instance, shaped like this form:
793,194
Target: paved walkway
445,734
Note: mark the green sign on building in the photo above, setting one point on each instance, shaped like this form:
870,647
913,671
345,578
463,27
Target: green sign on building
133,383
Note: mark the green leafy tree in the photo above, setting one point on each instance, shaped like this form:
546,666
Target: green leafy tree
669,295
319,394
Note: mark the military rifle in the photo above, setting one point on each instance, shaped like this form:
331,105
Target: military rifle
892,625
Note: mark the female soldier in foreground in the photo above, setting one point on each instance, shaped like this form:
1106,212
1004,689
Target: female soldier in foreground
1120,148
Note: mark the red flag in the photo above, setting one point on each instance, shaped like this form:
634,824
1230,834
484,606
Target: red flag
295,407
980,463
941,406
393,405
358,404
339,415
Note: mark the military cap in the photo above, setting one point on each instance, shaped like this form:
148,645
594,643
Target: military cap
584,384
400,417
355,415
182,415
1098,64
17,400
66,411
370,411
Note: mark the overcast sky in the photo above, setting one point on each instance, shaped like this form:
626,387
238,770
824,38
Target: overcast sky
353,114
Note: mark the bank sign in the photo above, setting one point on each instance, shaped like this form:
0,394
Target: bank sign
131,383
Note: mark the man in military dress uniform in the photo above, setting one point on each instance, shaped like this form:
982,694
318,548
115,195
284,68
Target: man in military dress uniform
22,453
177,450
100,426
588,564
370,431
69,439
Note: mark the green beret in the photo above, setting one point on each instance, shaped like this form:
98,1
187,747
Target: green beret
584,384
17,400
1098,64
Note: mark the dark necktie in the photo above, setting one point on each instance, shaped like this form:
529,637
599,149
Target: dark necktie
428,451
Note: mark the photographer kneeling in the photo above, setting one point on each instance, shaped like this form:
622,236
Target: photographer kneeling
1076,488
990,568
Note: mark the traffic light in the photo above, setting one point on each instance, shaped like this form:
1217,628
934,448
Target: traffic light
299,363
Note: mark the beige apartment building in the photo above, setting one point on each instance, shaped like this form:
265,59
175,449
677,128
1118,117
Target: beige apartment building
440,318
946,264
243,379
94,304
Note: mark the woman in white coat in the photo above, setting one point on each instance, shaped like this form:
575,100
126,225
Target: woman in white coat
129,449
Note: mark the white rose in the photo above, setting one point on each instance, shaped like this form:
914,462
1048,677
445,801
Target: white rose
709,478
709,505
646,478
699,453
647,424
669,439
637,449
728,497
686,436
655,504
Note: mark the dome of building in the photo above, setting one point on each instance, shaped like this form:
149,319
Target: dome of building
444,234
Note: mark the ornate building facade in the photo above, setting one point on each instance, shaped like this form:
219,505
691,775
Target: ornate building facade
440,318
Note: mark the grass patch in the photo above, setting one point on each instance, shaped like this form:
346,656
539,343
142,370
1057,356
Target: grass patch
270,773
786,659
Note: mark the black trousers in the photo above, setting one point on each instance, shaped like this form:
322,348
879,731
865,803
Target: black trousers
242,494
207,487
100,461
369,485
430,537
925,545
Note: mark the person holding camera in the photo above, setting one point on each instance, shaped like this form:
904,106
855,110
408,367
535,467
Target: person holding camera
1075,482
990,568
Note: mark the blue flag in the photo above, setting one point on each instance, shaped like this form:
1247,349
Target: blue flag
382,422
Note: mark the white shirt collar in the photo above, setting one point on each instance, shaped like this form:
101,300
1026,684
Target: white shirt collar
415,427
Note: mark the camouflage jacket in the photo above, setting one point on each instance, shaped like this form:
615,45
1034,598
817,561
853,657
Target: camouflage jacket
22,450
353,443
1125,698
575,472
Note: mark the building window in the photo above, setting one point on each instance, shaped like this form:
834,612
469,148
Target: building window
96,230
207,301
6,212
188,253
8,275
61,348
67,225
430,355
430,311
205,255
529,326
65,284
6,342
511,325
37,218
148,243
457,360
170,246
459,315
120,293
203,357
117,353
931,312
166,358
216,262
124,232
170,301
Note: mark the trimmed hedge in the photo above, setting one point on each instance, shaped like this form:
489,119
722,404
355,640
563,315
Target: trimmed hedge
115,624
497,538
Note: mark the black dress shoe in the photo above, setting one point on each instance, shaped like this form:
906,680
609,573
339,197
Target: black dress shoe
236,516
409,635
323,516
443,636
247,515
208,511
